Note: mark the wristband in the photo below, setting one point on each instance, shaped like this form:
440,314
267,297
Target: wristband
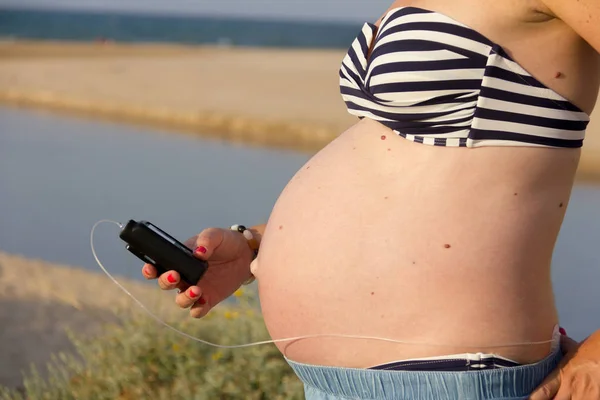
252,243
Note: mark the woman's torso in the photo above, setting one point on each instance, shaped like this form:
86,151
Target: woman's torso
379,236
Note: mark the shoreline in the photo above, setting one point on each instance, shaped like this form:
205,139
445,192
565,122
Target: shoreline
214,125
230,128
199,90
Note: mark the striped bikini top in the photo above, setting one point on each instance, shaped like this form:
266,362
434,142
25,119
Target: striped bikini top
435,81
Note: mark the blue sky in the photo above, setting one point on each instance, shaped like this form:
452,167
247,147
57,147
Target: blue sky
344,10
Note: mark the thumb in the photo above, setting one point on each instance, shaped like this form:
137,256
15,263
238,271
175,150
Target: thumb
567,344
207,243
548,389
219,245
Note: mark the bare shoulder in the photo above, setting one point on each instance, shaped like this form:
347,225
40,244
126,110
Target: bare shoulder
583,16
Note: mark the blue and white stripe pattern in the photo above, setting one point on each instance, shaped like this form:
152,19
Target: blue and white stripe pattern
436,81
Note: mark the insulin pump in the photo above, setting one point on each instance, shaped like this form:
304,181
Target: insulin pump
154,246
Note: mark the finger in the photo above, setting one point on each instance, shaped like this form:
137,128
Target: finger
567,344
207,241
200,308
169,280
548,389
148,271
564,393
188,297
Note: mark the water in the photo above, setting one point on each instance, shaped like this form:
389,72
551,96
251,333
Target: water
87,26
59,175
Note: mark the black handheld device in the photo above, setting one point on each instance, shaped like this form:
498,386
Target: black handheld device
154,246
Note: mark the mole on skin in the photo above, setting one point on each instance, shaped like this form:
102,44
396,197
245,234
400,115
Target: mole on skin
382,137
447,246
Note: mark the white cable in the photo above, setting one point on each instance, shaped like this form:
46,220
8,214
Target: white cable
290,339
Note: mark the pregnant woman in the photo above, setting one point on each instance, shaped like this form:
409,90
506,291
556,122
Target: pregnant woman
432,220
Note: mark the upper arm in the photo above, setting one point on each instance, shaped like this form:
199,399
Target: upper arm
583,16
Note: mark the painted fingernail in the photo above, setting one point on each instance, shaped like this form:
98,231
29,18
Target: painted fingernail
201,249
562,331
193,293
146,270
171,278
202,301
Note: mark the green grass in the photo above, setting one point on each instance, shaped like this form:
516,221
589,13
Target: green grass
140,359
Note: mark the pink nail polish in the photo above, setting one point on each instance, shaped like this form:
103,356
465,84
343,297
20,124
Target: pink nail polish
201,249
562,331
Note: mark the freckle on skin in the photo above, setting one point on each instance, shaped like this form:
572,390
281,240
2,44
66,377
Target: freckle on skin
385,197
389,149
558,75
447,246
383,137
372,293
414,262
516,194
561,205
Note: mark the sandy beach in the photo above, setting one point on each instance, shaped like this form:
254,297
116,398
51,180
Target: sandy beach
234,94
270,97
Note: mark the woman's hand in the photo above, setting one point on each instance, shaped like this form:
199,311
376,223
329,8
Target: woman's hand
229,258
578,375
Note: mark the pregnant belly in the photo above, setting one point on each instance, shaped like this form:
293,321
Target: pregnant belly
378,236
